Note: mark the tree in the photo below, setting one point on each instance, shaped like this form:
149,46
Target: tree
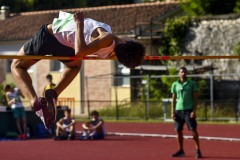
36,5
209,7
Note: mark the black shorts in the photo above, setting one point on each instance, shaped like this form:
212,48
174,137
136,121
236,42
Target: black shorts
182,117
44,43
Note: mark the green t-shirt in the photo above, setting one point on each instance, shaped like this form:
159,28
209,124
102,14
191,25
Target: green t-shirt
184,94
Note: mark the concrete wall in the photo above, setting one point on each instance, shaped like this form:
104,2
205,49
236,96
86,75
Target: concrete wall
215,36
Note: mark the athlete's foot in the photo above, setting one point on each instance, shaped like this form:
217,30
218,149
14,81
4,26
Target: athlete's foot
45,113
179,153
198,154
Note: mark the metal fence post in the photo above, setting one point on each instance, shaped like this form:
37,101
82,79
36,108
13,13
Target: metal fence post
148,97
116,102
211,96
88,102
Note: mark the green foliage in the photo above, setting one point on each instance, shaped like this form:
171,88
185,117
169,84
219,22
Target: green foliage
203,89
2,96
133,111
174,31
169,81
236,49
3,100
237,7
209,7
138,111
154,0
94,3
157,89
35,5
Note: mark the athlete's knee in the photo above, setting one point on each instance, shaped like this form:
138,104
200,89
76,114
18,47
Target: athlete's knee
13,64
195,133
74,65
16,63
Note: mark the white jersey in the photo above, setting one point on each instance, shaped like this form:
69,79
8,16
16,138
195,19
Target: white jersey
64,28
15,94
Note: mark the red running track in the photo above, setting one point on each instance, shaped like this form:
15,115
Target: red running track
127,147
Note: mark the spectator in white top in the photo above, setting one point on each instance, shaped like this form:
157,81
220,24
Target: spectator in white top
13,96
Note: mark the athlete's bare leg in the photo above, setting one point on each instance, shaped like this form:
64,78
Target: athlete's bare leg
19,69
23,80
70,72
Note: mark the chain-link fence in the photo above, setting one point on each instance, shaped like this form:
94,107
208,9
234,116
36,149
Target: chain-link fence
149,96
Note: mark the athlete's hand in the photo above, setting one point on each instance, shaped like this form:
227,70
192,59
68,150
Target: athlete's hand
192,115
13,101
173,116
78,17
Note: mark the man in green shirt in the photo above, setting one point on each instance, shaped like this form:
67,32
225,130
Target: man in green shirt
184,105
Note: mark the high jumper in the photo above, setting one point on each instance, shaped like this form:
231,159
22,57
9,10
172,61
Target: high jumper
70,35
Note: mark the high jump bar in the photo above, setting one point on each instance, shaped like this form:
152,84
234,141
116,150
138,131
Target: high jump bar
96,58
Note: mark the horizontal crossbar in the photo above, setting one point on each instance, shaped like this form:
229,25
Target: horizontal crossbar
96,58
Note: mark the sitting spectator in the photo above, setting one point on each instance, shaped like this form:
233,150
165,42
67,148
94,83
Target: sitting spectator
65,127
93,129
13,96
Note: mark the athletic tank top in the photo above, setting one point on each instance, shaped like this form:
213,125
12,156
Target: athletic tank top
15,94
49,86
64,30
94,122
66,122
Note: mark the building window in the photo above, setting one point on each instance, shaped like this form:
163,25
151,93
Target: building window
9,62
122,74
56,65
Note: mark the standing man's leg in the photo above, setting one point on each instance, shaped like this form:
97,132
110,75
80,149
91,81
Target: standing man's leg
197,143
180,140
178,124
196,138
192,125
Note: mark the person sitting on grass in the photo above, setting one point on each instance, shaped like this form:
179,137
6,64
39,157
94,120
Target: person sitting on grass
93,129
65,127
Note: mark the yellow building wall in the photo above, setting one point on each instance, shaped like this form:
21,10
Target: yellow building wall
72,91
123,94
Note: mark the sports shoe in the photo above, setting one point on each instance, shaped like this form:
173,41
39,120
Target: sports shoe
198,154
22,136
44,112
70,136
57,138
179,153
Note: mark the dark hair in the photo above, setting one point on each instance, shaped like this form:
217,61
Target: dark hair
94,113
7,87
183,68
68,110
130,54
49,76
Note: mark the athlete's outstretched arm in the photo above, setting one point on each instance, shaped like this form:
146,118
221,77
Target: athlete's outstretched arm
104,39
